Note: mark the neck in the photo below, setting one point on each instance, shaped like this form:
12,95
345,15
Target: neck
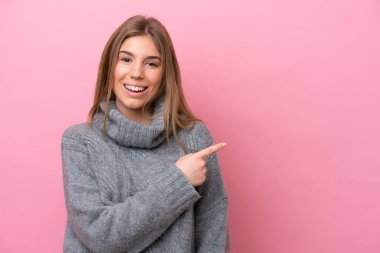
134,114
127,132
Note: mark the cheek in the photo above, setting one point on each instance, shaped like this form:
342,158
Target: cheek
120,71
155,77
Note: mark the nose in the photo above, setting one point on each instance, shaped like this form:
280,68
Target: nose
137,71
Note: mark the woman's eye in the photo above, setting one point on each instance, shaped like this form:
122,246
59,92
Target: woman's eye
126,60
152,64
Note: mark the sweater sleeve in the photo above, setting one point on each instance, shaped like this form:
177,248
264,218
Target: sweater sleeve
211,211
130,226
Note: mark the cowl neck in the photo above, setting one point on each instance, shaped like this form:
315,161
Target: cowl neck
127,132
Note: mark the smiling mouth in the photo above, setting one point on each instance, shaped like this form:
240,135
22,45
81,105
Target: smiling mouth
135,88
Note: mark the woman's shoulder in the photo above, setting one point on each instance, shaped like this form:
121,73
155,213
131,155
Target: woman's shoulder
81,134
200,128
76,130
201,135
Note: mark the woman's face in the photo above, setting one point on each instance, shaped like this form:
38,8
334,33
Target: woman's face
138,73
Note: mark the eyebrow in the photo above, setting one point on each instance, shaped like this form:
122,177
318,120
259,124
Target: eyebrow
148,57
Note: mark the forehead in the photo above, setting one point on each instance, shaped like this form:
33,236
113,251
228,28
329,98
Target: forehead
142,45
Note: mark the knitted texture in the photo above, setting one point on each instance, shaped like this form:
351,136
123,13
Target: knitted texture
124,193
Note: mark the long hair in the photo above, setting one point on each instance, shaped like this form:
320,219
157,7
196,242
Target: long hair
177,113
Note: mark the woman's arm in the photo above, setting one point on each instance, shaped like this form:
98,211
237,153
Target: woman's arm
128,226
211,227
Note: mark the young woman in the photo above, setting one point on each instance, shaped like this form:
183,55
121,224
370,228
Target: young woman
142,174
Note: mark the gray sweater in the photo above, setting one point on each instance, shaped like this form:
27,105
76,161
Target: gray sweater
124,192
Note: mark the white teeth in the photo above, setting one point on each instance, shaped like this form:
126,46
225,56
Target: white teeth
135,88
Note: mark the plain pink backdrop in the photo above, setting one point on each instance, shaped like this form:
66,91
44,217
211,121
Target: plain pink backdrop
293,87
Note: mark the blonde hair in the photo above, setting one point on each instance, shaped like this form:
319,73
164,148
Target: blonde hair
176,112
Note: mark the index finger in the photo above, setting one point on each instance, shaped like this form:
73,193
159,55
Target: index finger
209,150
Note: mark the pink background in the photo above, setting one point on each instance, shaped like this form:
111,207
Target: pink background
293,87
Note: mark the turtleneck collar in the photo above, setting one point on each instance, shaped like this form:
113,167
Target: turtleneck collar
128,132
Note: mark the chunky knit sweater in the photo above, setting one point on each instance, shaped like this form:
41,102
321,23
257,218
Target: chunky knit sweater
124,193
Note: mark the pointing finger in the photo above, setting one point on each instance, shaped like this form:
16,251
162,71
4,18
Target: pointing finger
209,150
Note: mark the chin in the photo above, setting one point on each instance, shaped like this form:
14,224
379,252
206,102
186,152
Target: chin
131,103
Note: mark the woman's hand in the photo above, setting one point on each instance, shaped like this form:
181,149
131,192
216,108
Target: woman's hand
193,165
